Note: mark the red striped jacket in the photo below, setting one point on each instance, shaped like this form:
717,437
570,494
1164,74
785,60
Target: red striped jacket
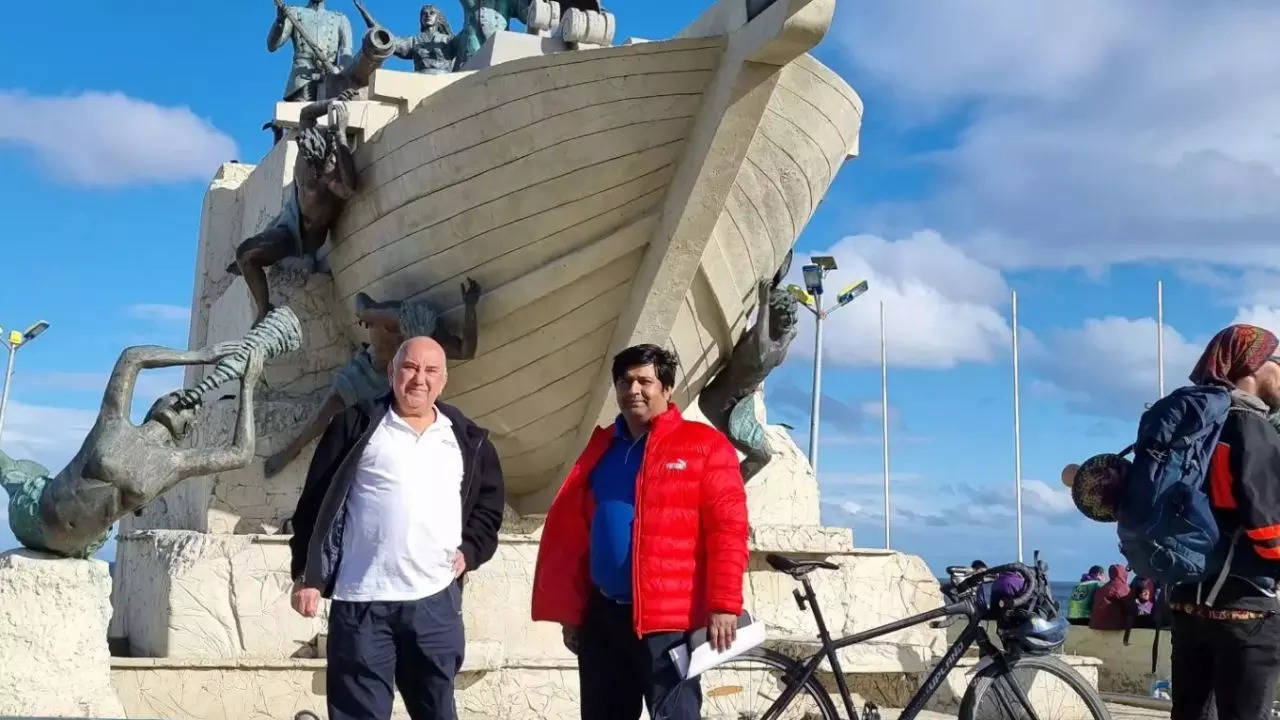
1244,486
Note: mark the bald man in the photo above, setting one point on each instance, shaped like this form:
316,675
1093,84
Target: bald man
404,496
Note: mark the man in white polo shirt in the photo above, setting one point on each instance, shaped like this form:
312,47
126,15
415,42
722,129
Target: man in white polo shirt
403,496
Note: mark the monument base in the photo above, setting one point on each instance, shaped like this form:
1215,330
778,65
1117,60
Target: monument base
53,637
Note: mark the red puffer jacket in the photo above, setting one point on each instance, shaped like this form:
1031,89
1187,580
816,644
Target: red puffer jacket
688,542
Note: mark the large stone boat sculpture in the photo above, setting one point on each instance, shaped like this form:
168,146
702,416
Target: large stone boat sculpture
602,198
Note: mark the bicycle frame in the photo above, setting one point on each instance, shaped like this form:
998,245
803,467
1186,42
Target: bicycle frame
973,634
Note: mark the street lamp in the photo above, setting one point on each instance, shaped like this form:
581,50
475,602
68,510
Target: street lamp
13,341
811,297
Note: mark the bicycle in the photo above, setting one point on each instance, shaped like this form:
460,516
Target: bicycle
1007,680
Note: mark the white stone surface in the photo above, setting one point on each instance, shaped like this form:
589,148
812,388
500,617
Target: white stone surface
193,595
784,492
407,89
184,594
276,690
506,46
53,637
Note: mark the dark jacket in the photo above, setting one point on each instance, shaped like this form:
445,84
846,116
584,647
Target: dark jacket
318,522
1244,489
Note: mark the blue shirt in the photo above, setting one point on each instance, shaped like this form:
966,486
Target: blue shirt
613,483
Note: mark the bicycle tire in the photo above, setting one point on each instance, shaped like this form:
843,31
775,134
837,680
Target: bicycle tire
722,696
983,701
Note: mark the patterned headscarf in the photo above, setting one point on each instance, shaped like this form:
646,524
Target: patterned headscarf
1235,352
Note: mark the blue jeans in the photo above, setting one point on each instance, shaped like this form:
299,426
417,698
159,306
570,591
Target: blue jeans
377,647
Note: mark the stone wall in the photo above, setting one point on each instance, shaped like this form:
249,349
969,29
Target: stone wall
1125,668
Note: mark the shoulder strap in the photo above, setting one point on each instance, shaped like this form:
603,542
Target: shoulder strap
1226,569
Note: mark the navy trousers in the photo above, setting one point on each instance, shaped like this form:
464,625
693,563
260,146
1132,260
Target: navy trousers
415,646
618,670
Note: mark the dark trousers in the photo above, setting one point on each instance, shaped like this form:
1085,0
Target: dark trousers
618,670
415,646
1232,663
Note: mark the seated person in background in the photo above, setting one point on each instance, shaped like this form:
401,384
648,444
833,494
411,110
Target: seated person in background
1142,595
1110,601
1080,605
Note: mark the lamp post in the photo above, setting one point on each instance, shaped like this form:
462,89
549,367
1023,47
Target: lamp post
13,341
811,297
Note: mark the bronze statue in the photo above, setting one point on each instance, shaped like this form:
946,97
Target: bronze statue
482,19
364,378
324,178
321,46
432,50
726,400
121,466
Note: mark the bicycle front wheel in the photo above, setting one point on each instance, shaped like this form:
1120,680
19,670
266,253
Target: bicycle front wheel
746,687
1054,690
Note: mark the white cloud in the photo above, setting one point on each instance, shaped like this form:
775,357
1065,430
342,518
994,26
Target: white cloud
1046,500
1108,364
159,312
1091,132
1264,316
48,435
923,503
942,307
838,480
107,139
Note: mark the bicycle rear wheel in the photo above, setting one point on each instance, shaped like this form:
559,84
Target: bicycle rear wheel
1053,688
747,686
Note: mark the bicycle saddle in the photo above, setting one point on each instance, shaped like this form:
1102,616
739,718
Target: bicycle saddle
797,568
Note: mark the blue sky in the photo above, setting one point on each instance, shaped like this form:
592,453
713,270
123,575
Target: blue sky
1075,152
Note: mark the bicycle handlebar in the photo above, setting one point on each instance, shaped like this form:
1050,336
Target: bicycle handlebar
1030,586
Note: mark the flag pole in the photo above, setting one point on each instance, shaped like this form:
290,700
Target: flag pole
1160,336
1017,429
884,422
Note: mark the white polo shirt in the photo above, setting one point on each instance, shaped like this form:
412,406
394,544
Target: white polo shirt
404,514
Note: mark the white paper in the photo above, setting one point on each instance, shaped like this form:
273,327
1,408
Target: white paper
706,657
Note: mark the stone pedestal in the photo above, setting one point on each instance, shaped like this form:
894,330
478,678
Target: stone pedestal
53,637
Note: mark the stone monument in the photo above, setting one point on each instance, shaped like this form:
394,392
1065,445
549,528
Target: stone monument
601,197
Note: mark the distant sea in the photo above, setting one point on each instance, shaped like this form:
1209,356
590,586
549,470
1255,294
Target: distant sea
1061,592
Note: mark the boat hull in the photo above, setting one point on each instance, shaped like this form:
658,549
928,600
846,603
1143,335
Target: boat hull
549,180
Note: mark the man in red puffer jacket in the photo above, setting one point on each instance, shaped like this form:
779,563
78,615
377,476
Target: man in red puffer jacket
646,540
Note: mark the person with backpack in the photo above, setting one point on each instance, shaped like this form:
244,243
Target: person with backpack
1226,627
